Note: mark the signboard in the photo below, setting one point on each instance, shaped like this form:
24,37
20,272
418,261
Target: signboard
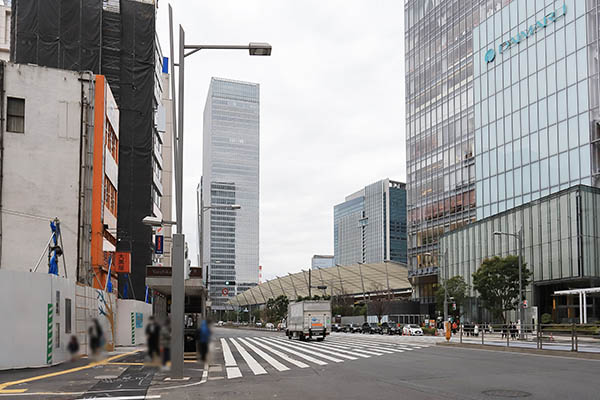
225,291
122,263
139,320
159,244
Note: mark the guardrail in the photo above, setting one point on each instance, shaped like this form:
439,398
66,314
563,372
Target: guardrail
567,337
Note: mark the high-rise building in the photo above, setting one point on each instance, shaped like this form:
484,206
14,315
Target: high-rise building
370,226
502,114
320,261
115,38
230,176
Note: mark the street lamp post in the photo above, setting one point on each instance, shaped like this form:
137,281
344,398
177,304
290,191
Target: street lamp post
178,250
519,237
445,282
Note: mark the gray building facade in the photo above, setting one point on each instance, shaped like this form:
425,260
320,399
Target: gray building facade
231,176
561,248
370,226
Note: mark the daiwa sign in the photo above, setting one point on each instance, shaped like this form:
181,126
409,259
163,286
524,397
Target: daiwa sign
490,55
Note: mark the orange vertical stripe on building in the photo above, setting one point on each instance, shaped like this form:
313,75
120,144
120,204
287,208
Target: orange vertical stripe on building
97,255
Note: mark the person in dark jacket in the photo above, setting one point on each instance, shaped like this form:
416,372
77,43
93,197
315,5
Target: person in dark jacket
152,338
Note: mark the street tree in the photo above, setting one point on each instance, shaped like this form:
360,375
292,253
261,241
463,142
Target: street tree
457,291
380,304
276,309
497,281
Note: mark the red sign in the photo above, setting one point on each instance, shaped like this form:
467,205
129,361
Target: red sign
122,264
225,291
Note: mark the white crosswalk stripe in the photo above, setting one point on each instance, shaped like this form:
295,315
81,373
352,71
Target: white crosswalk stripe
348,348
297,345
304,356
279,354
273,362
262,355
256,368
387,350
315,346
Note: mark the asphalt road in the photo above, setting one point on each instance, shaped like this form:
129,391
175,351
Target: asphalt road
247,364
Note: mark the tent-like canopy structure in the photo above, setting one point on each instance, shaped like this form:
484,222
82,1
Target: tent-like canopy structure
358,280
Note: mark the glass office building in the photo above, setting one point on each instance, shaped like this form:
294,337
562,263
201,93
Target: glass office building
561,248
536,102
370,226
231,176
502,110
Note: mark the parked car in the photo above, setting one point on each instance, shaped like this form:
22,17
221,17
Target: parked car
269,325
259,324
365,328
220,323
412,330
337,328
353,328
389,328
375,328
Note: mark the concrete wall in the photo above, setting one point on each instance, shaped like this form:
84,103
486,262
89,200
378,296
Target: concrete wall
132,319
24,302
41,167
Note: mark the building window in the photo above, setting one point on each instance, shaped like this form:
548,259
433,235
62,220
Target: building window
15,117
67,315
110,196
112,143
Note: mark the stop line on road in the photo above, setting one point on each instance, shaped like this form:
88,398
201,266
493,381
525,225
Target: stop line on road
256,355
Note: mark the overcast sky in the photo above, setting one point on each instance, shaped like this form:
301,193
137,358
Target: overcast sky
331,108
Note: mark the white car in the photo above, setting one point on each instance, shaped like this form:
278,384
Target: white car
220,323
269,325
258,324
412,330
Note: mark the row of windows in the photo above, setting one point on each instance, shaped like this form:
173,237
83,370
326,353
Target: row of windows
112,143
110,196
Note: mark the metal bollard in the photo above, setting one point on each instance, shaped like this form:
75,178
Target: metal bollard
482,333
507,336
576,340
573,337
461,333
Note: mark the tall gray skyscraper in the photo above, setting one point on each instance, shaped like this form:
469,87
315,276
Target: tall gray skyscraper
231,176
370,226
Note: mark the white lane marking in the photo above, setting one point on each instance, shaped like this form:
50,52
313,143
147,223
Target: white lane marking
279,354
302,347
304,356
345,349
325,350
143,397
391,342
274,363
390,345
374,347
256,368
356,348
229,360
233,372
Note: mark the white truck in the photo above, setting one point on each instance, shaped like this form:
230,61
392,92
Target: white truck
308,319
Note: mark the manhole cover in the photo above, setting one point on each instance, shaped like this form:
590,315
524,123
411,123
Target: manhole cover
509,394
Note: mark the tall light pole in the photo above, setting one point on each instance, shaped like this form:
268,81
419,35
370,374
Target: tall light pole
519,237
178,249
445,282
201,209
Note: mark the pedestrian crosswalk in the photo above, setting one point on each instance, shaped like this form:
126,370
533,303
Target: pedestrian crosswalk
261,355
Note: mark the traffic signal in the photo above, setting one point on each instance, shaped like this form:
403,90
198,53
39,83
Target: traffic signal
454,306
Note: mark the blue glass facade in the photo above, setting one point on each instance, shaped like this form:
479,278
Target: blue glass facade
535,68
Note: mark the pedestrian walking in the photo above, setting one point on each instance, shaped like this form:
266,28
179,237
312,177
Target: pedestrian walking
165,343
73,347
203,337
152,338
96,337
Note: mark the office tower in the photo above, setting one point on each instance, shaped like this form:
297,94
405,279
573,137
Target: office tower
502,115
370,226
321,261
230,176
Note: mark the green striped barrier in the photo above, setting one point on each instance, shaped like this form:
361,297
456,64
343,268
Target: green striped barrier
49,337
133,328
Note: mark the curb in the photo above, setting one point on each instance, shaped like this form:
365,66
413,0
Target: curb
522,350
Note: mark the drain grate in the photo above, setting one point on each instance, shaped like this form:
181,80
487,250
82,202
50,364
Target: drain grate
509,394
